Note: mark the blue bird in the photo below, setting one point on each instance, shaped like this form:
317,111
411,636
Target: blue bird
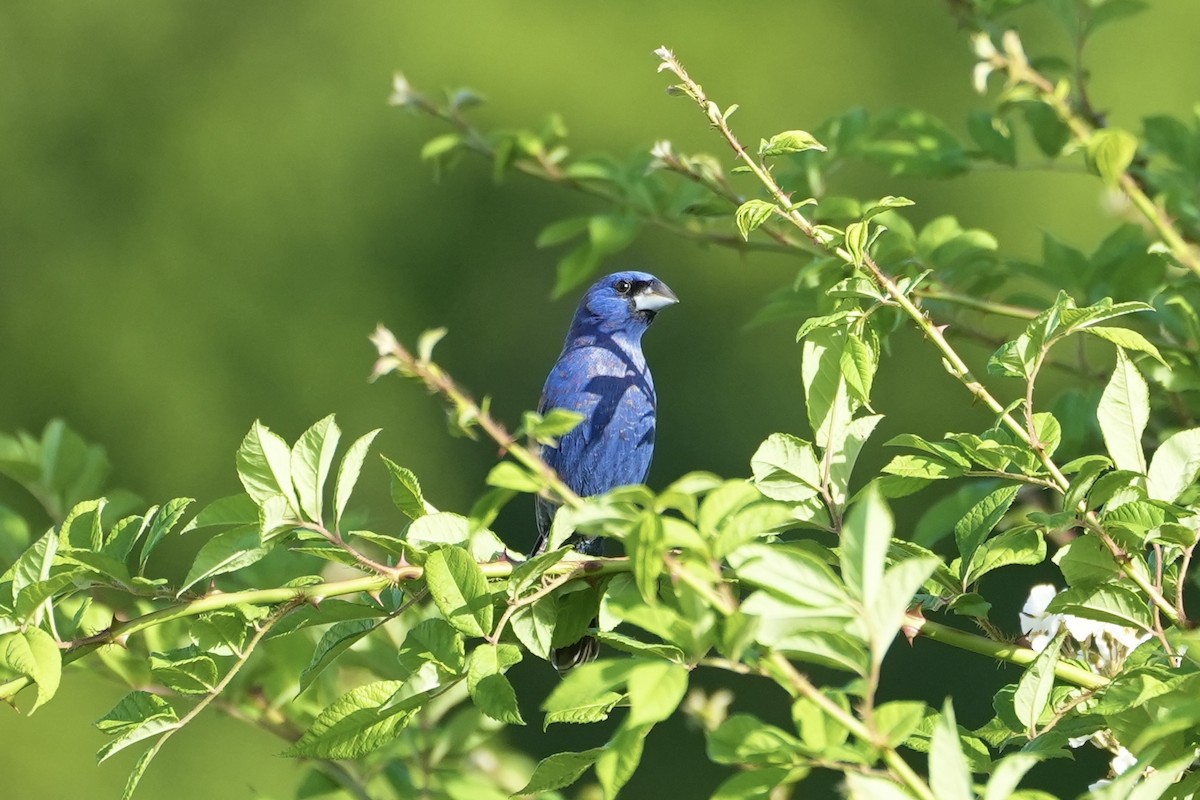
602,374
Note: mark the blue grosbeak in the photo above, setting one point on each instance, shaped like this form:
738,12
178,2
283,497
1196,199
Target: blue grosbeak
602,374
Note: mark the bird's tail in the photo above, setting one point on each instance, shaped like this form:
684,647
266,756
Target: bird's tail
576,654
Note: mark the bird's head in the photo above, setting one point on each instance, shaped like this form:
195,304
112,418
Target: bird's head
623,301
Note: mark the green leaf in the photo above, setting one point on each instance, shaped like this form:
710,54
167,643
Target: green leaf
865,537
440,146
564,230
861,786
489,687
238,509
898,719
1174,466
976,524
1105,603
919,465
790,573
636,647
311,458
224,553
886,204
857,236
81,529
845,454
334,642
186,670
752,784
746,740
264,466
509,475
1032,698
645,548
357,723
34,654
1085,562
785,468
1111,151
587,693
895,595
1018,546
752,214
1123,413
161,524
949,776
348,471
827,401
789,142
1127,339
444,527
620,758
655,690
460,590
133,710
559,771
406,490
858,364
1007,774
432,640
993,137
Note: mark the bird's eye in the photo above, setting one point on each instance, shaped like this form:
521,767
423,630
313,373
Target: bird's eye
622,286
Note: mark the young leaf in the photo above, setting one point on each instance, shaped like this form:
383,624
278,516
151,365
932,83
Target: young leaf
1123,413
949,776
976,524
559,771
752,214
432,640
746,740
621,757
645,548
1018,546
161,524
311,458
587,693
348,473
357,723
655,691
865,537
489,687
35,655
1174,466
334,642
1105,603
225,552
789,142
1111,151
186,670
460,590
1033,690
785,468
1127,339
406,491
264,466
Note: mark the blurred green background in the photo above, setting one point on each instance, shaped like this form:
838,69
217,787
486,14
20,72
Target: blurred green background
205,207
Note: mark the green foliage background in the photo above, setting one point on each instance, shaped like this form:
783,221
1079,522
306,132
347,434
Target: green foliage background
207,206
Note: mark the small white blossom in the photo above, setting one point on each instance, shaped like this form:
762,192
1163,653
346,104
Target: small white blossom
1123,761
402,93
1036,624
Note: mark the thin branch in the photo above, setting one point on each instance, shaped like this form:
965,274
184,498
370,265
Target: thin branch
394,357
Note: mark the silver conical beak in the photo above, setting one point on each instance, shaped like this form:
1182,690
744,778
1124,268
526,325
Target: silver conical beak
656,295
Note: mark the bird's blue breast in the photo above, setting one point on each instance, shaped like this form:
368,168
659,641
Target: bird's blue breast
607,381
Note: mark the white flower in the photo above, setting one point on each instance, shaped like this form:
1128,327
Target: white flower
1123,761
1036,624
402,93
